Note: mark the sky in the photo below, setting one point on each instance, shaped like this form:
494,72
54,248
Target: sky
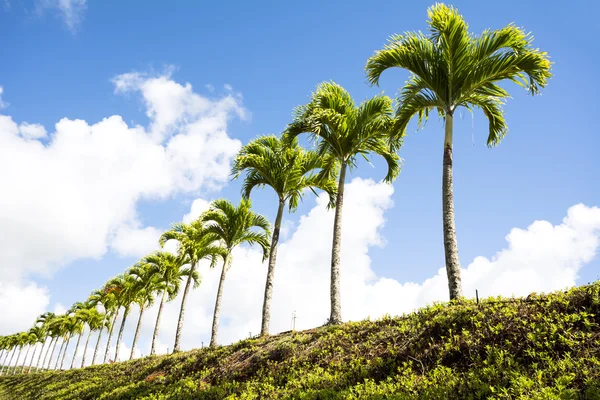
118,120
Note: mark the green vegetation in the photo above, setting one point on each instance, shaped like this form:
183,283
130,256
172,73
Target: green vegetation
543,347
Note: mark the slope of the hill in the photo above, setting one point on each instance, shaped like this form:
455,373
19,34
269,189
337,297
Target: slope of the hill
544,347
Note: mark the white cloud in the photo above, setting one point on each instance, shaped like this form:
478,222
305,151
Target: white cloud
135,242
20,305
2,104
32,131
75,195
198,207
70,11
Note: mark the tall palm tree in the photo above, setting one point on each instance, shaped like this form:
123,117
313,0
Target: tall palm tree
106,296
451,68
30,341
288,169
55,327
233,226
105,324
73,326
166,269
22,341
79,319
124,288
11,344
146,285
344,132
44,322
93,319
38,334
195,243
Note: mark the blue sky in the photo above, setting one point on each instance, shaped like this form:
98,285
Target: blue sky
274,54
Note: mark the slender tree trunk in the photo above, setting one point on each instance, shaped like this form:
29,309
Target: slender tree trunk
182,309
266,311
60,350
137,332
62,362
17,362
97,346
31,361
52,354
25,359
217,313
121,333
76,348
87,342
157,325
336,248
4,358
450,243
110,332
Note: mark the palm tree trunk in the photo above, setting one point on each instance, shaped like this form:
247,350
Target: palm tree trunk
87,342
52,354
450,243
110,332
121,333
266,311
217,313
60,350
182,309
76,348
97,346
25,359
17,362
32,357
62,362
137,332
336,248
156,326
4,358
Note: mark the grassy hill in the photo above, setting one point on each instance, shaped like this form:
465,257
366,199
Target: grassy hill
542,347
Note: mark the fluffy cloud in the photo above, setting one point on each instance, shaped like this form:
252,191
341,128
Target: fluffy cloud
75,194
542,257
20,304
70,11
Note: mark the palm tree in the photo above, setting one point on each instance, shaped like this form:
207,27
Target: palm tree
22,341
288,169
345,131
55,327
105,324
166,270
195,243
44,322
451,68
11,345
146,285
73,326
80,319
107,298
38,333
93,319
233,226
124,288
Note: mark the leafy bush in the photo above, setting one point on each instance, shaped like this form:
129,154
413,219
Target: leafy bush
544,347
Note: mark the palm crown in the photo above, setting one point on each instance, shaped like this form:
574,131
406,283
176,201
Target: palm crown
450,68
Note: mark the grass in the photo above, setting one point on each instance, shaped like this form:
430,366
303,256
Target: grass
543,347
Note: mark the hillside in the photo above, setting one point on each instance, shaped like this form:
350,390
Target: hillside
543,347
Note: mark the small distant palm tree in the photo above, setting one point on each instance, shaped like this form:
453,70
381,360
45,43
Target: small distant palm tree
105,324
233,226
451,68
124,288
167,269
12,345
38,335
195,243
44,321
146,285
288,169
22,341
344,132
94,320
106,296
